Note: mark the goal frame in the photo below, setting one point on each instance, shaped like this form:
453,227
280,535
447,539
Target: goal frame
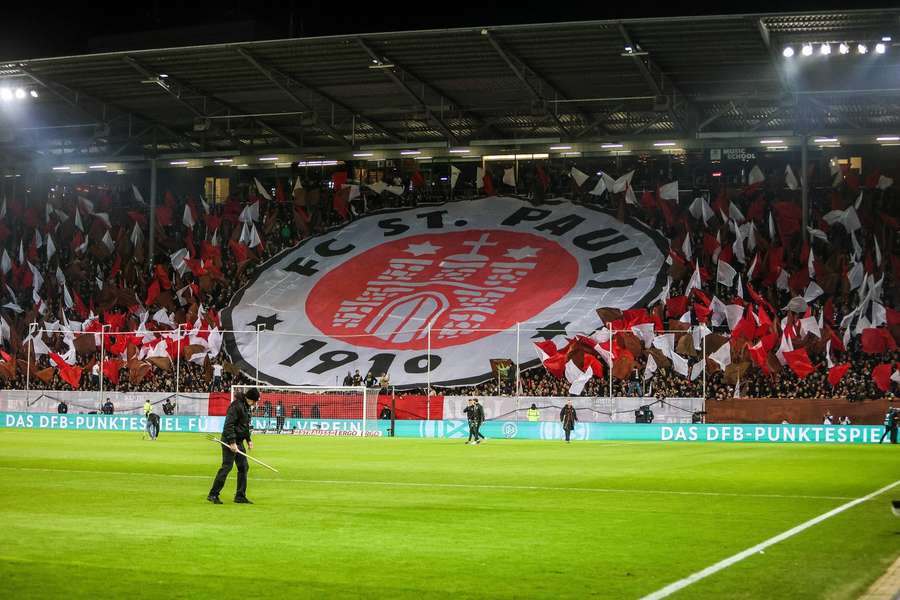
359,389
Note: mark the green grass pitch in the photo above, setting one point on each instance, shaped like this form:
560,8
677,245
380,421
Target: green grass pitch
107,515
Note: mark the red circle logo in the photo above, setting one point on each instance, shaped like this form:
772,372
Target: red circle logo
466,284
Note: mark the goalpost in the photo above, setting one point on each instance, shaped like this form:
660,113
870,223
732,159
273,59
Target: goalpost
314,410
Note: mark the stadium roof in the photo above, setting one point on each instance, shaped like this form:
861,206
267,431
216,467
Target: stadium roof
713,77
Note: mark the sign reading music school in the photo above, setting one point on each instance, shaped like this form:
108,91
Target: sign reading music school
366,295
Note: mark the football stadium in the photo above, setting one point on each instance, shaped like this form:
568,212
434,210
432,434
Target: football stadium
260,287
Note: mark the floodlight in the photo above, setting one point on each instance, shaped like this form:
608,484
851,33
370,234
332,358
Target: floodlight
844,48
880,48
20,94
825,49
861,48
788,52
807,50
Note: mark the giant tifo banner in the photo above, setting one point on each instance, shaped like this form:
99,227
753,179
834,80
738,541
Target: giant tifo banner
459,429
588,409
366,296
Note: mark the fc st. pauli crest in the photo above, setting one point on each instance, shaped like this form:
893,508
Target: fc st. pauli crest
440,287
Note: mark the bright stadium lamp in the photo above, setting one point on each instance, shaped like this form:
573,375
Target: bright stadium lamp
825,49
33,93
807,50
861,48
20,94
788,52
880,48
844,48
6,94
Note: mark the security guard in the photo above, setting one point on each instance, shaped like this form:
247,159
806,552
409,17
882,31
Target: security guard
148,410
235,431
533,413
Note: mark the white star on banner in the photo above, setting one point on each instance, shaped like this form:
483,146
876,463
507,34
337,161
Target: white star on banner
520,253
420,249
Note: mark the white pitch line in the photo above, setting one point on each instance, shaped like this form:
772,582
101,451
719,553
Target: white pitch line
477,486
724,564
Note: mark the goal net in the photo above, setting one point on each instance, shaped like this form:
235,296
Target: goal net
312,410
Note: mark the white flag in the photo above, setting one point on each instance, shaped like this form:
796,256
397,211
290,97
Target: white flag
695,281
669,191
454,176
812,292
686,247
725,273
600,188
78,222
250,213
479,178
51,247
578,176
756,176
298,184
108,241
187,218
509,176
254,237
262,191
790,179
137,236
650,369
884,182
577,378
722,356
137,194
5,263
623,182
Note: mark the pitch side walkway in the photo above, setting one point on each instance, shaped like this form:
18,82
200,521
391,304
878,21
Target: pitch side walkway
886,588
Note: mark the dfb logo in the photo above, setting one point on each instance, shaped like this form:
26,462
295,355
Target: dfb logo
440,289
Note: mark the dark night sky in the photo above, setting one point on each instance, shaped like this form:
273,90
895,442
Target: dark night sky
35,30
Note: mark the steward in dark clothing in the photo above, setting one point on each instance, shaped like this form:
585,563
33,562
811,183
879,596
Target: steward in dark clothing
235,431
568,417
471,415
62,408
479,419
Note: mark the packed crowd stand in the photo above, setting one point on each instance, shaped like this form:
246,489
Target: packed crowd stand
75,263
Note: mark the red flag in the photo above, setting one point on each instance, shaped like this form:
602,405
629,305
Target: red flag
212,222
787,215
111,369
542,177
240,251
339,178
798,361
116,267
279,192
164,215
591,362
58,360
152,293
876,340
80,308
341,205
418,181
488,184
881,375
162,276
676,306
837,372
759,356
71,375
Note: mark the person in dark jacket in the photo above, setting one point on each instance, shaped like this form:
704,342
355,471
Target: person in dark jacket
62,408
235,431
471,416
568,417
479,420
